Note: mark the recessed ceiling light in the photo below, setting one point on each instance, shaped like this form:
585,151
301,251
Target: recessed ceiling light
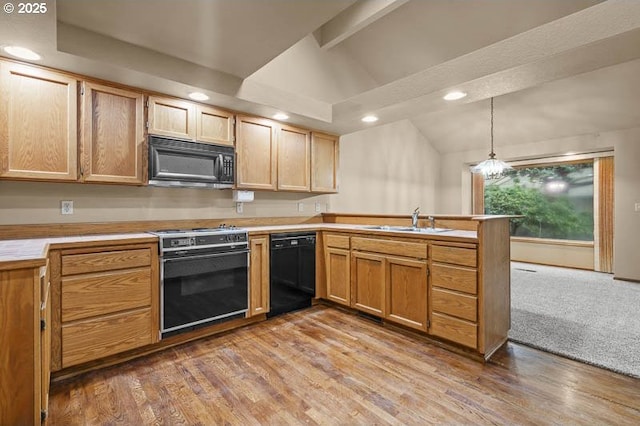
369,119
454,96
22,53
198,96
281,116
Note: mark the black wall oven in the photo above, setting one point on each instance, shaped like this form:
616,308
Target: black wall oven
204,278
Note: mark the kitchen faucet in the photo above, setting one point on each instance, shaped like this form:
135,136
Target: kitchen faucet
432,222
414,217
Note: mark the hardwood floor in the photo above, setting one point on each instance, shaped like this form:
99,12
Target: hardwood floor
325,366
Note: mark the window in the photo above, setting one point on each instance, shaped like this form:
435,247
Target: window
555,200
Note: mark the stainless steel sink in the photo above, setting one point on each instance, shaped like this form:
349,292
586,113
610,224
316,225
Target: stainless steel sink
406,229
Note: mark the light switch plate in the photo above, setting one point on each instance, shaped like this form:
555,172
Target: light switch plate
318,208
638,207
300,207
66,207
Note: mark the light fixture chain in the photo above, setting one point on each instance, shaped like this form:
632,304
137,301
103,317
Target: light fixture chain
492,154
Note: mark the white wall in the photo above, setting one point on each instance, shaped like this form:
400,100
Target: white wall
626,242
387,169
35,202
455,188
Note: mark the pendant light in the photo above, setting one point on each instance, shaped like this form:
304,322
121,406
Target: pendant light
492,168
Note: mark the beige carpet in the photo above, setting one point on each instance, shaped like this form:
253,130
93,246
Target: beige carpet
587,316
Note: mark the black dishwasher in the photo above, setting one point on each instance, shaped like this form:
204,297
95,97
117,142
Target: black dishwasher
293,272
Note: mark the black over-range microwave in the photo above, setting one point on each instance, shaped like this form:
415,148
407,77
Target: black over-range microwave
178,163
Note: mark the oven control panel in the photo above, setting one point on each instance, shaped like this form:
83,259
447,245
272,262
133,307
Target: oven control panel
182,242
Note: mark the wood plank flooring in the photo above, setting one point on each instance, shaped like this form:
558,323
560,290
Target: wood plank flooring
325,366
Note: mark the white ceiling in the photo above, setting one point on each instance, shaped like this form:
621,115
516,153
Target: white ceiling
556,67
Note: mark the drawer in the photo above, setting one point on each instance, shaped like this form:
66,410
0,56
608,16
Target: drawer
100,337
85,296
105,261
398,248
337,241
454,278
454,329
455,255
455,304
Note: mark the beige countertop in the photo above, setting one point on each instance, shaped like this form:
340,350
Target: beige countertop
453,235
30,253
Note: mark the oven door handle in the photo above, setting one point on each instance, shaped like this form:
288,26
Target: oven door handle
206,256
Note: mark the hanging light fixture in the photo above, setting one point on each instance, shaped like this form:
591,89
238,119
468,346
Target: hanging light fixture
492,168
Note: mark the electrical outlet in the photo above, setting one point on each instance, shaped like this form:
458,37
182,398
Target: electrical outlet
638,207
239,207
318,208
300,207
66,207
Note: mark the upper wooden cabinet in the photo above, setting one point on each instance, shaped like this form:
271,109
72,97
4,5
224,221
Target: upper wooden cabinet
214,125
187,120
257,153
112,135
293,159
172,117
38,124
324,162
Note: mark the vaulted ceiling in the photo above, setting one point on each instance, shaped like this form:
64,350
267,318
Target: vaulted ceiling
556,68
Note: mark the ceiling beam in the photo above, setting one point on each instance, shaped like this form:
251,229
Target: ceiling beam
542,54
353,19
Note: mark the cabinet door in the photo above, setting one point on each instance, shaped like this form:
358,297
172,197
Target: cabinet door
45,344
259,276
20,367
38,124
112,135
172,117
407,292
368,281
214,125
338,266
256,148
293,159
324,163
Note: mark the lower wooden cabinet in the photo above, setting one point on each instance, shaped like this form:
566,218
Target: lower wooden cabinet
407,292
454,294
338,273
259,275
368,276
109,300
387,284
25,340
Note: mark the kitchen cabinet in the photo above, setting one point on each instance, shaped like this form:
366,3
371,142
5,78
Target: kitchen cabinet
454,294
181,119
112,135
172,117
338,268
324,162
214,125
45,339
368,276
108,301
392,279
38,124
294,160
407,292
259,275
257,153
24,358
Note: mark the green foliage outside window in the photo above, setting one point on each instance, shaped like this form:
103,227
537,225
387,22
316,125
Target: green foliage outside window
554,201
